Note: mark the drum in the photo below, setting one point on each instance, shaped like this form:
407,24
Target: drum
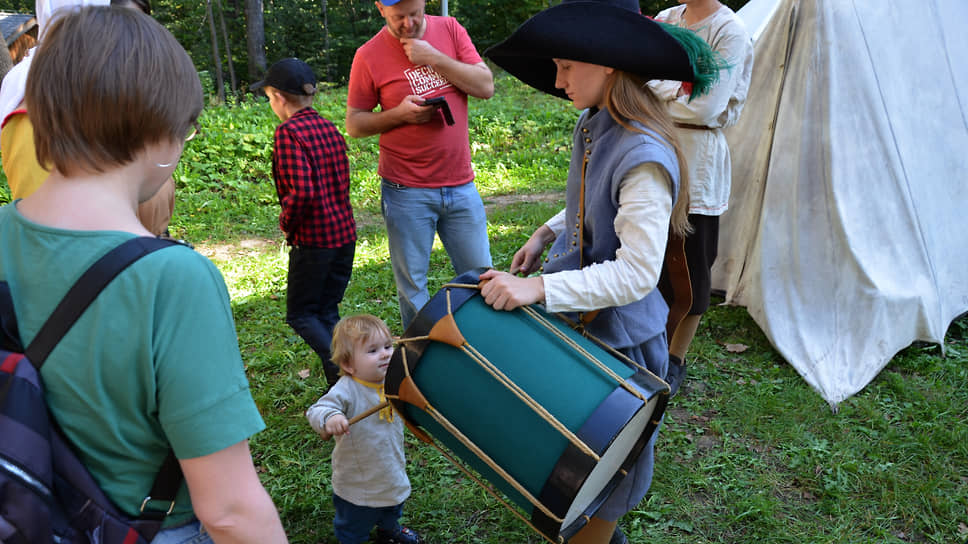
548,417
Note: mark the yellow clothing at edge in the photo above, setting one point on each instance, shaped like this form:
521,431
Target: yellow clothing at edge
25,175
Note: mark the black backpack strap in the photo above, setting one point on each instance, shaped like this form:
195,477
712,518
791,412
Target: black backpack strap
70,309
164,490
9,332
87,288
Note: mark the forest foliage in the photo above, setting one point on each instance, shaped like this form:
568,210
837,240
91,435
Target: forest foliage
324,33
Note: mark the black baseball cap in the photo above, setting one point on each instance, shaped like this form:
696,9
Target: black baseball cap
289,75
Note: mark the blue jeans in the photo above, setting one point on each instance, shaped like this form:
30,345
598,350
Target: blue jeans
412,216
352,523
317,281
190,533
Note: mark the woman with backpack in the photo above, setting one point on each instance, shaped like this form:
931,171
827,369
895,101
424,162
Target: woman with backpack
153,364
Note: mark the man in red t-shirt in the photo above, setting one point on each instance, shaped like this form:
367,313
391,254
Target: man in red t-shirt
425,160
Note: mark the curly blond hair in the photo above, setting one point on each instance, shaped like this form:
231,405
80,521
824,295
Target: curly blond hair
353,331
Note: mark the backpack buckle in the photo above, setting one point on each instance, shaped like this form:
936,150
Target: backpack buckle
171,506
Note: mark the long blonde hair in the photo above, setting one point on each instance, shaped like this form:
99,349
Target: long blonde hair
628,98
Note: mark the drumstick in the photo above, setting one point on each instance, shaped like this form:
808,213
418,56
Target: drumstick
369,412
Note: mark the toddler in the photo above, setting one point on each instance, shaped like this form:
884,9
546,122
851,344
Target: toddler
370,480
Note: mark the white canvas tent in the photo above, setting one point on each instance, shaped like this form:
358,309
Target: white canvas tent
847,231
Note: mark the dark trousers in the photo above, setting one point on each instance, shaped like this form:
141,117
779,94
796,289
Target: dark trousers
352,523
317,281
701,248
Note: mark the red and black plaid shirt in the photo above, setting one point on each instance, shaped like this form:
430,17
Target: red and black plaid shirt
312,177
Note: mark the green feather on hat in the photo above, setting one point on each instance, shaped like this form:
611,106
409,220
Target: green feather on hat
706,62
609,33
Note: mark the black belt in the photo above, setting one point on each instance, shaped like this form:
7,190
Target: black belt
693,127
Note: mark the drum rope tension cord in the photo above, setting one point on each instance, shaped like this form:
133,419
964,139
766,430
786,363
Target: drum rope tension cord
445,330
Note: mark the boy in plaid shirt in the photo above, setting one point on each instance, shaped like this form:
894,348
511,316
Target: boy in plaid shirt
312,176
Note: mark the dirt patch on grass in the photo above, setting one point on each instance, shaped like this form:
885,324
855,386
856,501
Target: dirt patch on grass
364,218
704,441
500,201
248,246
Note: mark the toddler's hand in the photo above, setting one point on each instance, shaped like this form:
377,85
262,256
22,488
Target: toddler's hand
337,425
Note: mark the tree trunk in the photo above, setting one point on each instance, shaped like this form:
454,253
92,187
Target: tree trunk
228,50
326,51
255,39
216,57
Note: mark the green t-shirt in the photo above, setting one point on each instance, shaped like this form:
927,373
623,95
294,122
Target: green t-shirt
153,361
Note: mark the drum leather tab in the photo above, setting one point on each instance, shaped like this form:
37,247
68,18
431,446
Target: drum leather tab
409,393
418,432
446,331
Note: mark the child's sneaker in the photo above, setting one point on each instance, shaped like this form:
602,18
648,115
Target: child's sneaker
403,535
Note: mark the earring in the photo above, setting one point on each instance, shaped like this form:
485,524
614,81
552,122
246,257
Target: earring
167,164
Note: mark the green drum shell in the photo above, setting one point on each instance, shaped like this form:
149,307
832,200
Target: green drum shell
555,374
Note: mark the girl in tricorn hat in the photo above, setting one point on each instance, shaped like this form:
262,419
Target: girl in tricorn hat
627,189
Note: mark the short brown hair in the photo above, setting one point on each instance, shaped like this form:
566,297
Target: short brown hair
105,83
299,100
353,331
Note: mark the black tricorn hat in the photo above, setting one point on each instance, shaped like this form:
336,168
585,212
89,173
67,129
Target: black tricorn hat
606,32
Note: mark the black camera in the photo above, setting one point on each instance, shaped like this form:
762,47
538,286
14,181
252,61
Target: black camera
440,103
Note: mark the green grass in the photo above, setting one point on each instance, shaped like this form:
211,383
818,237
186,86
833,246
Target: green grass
747,453
225,175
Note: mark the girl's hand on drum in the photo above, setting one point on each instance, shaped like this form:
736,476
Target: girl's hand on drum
337,424
528,259
504,291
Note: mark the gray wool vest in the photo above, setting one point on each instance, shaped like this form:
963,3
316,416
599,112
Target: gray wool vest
612,151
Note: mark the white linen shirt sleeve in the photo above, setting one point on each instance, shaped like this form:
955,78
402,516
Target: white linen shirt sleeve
722,105
642,226
557,223
664,89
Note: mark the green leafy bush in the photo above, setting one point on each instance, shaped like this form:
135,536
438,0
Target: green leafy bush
224,181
